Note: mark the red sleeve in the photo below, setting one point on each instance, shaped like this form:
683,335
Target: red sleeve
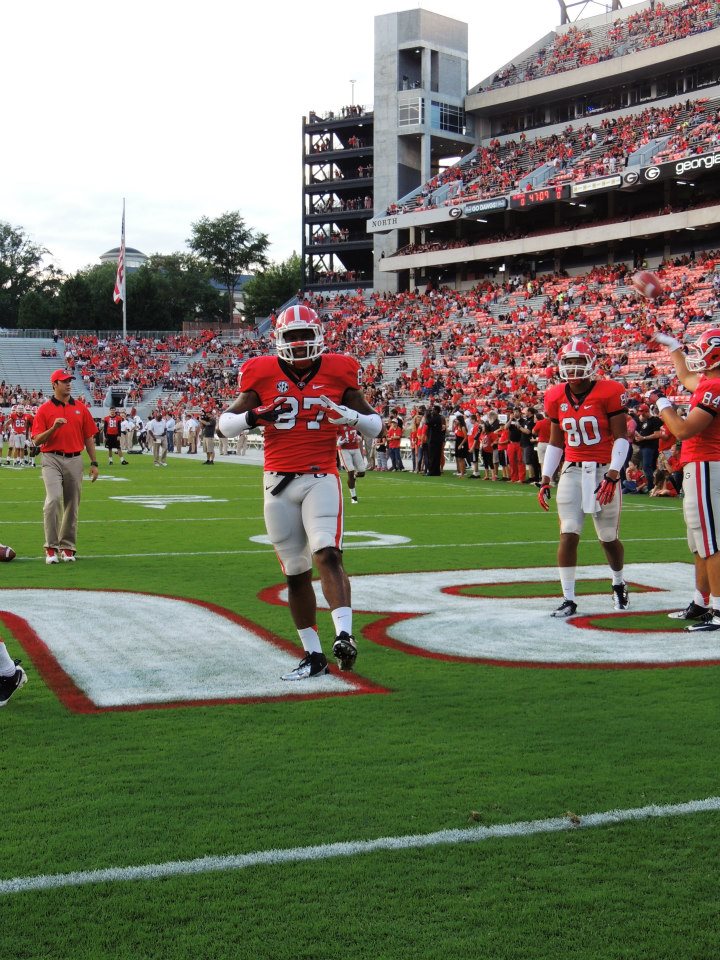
551,405
40,424
89,426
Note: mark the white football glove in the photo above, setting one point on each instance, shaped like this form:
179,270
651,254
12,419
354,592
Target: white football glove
672,343
345,416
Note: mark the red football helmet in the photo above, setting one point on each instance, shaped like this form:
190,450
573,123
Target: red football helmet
704,354
576,360
299,327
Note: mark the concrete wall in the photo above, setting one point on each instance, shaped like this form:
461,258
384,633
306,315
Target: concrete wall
530,247
403,157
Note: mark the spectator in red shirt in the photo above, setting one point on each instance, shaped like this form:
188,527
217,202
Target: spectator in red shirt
394,436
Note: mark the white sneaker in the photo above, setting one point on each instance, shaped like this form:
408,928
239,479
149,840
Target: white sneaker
51,555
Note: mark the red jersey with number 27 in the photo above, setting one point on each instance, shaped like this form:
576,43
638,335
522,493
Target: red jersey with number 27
585,420
302,440
705,445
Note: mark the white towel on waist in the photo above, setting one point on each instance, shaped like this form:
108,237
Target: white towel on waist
589,482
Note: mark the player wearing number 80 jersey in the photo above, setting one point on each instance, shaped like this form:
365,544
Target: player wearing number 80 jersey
300,398
588,429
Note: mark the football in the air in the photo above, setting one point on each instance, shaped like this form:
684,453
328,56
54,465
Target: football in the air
647,284
6,554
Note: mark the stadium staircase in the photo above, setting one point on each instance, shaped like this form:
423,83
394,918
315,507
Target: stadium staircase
22,365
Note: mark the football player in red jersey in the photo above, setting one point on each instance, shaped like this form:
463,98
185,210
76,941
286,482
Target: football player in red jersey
301,397
18,434
699,432
112,434
587,418
349,443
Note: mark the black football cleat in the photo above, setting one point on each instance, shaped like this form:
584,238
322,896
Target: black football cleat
707,624
345,651
693,611
568,608
312,665
8,685
621,600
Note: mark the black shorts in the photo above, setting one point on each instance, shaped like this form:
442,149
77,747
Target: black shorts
112,443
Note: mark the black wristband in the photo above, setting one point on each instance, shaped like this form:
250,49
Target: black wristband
610,479
94,463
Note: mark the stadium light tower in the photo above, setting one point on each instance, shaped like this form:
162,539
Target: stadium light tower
565,8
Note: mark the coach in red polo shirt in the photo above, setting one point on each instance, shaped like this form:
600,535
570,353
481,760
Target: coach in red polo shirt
62,428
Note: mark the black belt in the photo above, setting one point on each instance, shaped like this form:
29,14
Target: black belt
285,479
57,453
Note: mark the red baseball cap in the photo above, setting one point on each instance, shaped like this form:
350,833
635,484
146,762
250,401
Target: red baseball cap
61,375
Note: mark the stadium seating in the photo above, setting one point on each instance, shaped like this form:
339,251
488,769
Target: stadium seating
577,47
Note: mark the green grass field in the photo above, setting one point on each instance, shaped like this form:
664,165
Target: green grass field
455,742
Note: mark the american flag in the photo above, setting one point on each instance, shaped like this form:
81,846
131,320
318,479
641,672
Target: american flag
119,292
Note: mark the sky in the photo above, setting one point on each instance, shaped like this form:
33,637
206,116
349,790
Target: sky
192,109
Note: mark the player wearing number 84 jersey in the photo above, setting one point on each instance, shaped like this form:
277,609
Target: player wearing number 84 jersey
300,397
699,431
588,430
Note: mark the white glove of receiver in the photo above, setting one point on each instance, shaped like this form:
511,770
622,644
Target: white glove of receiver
345,416
672,343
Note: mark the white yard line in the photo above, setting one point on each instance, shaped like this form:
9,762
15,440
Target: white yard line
350,546
258,516
353,848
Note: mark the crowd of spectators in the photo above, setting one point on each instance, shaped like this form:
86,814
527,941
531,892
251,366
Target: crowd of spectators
496,343
504,167
11,395
349,110
489,348
136,363
645,29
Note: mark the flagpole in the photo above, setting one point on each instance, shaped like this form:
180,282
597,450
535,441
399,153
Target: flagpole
124,282
120,291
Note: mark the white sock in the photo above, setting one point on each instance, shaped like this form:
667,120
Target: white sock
310,640
618,577
7,666
715,602
701,599
342,618
567,582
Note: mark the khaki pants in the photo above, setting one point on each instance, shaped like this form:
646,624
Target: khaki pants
159,448
63,477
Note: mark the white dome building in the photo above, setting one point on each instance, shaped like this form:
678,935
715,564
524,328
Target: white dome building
133,258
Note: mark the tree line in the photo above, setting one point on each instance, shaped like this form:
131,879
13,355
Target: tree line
168,290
